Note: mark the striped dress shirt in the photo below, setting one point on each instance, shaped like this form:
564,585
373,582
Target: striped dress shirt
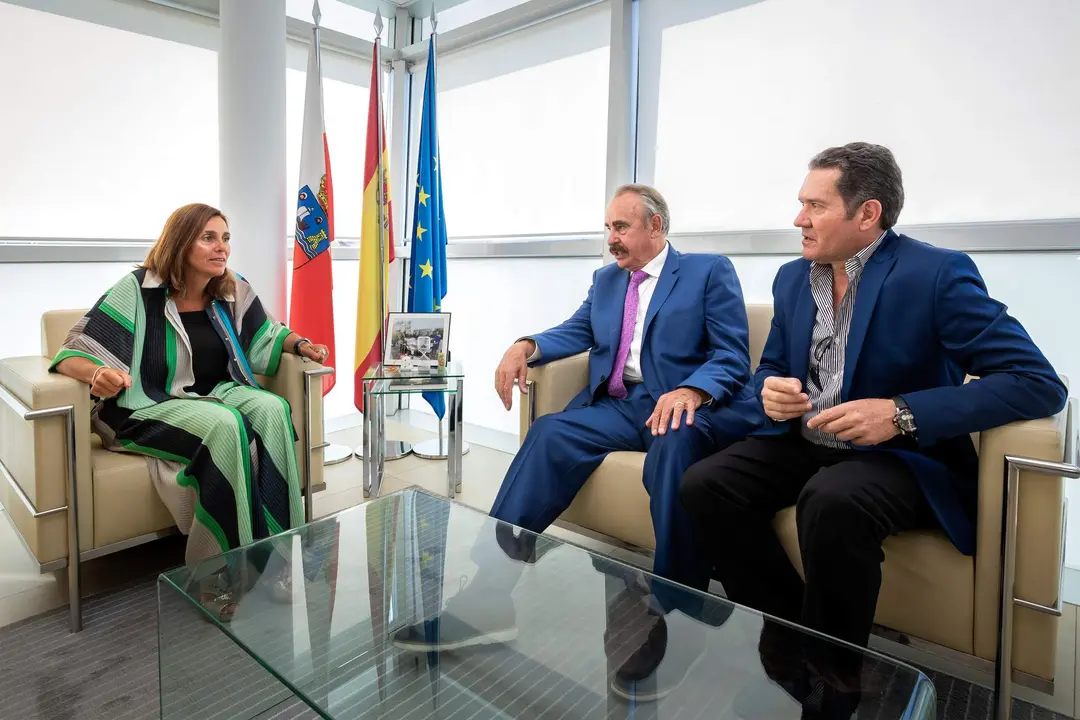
825,374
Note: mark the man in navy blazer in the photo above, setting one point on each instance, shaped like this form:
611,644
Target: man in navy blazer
669,375
866,414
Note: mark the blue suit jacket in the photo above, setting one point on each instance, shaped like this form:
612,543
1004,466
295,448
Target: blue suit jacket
696,335
922,322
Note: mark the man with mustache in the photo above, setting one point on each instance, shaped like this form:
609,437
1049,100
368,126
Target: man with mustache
669,368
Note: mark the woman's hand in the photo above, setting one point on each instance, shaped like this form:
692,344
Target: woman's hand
107,383
318,353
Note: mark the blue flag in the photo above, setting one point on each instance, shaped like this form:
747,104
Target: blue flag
427,285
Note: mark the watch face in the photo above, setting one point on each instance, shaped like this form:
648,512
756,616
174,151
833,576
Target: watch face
906,421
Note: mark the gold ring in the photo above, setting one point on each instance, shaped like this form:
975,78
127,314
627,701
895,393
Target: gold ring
680,404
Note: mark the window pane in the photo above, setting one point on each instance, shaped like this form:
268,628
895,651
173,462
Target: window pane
105,132
973,96
523,129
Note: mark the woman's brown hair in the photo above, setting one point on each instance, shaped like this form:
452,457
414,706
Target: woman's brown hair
168,257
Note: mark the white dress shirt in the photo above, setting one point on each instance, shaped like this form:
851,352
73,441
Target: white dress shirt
632,372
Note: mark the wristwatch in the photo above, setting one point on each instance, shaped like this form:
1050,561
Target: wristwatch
296,345
904,420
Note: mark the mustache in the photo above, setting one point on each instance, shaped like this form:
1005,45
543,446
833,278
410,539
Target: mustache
617,248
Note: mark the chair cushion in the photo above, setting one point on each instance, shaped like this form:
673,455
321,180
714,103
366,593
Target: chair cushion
613,501
126,504
927,590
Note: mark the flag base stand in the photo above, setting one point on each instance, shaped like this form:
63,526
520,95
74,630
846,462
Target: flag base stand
392,450
334,454
436,449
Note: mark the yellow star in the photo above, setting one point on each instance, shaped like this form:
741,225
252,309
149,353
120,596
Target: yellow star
420,232
417,179
426,270
437,308
423,197
436,159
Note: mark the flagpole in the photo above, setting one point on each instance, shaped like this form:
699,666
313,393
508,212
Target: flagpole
435,448
332,453
391,449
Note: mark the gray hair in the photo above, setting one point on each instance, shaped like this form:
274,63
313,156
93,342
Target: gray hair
652,203
867,172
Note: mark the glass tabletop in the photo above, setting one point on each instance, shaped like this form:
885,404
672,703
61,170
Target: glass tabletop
394,380
413,606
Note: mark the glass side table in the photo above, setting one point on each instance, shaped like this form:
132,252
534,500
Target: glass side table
382,381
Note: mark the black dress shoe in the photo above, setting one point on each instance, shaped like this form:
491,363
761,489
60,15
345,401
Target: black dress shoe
644,661
662,662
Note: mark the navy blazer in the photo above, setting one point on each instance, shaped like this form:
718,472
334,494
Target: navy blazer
696,335
922,322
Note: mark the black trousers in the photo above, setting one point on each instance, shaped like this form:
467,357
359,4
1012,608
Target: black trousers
847,502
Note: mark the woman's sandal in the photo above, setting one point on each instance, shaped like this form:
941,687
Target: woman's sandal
221,606
216,598
281,587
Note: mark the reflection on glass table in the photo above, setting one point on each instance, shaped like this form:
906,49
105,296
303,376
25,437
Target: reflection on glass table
413,606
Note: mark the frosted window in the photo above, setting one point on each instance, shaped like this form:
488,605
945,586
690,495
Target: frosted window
523,129
105,131
974,97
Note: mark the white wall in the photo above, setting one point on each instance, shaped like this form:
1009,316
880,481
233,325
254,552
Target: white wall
492,304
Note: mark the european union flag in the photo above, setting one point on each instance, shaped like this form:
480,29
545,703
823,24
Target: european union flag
427,286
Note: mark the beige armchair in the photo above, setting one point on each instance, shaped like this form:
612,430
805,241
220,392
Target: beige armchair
930,592
70,499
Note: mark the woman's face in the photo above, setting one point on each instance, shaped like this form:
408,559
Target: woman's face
210,253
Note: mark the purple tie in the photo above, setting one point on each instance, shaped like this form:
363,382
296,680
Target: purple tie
616,385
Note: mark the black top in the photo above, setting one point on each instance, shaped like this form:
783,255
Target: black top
210,358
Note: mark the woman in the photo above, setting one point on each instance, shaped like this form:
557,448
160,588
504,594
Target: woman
171,353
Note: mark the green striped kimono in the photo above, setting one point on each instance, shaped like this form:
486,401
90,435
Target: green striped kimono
224,464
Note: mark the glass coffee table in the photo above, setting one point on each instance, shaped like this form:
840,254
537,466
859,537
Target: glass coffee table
413,606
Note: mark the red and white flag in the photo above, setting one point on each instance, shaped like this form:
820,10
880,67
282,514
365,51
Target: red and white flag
311,307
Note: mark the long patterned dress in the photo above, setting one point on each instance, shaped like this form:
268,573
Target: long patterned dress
223,463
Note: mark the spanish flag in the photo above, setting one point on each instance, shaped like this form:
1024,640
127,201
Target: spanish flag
371,304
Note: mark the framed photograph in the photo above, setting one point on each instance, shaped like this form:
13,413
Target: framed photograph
416,339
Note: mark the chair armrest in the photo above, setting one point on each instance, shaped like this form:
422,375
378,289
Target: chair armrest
1038,539
33,455
288,382
551,387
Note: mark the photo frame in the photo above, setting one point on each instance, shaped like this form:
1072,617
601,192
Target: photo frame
416,339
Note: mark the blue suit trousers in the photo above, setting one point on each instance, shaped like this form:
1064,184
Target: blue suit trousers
563,449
